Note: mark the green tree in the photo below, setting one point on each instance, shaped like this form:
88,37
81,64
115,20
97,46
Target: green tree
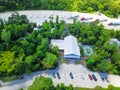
20,66
7,63
50,61
6,35
63,87
104,66
28,64
55,50
42,83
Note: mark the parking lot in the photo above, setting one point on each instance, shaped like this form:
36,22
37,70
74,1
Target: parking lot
40,16
80,77
77,75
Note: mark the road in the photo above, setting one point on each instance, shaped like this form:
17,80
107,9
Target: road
39,16
80,78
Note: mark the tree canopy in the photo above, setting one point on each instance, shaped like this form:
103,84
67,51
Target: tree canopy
28,50
108,7
43,83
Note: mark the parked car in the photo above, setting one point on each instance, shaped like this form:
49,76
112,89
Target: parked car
73,17
101,19
54,76
114,23
94,77
82,77
71,75
107,79
103,79
86,18
90,77
21,77
58,75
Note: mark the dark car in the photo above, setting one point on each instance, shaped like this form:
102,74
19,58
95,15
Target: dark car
103,79
58,75
90,77
54,75
94,77
21,77
110,24
71,75
107,79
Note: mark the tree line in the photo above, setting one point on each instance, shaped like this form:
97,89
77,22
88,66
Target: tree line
108,7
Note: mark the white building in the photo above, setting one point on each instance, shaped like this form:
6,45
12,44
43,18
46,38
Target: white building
70,47
114,40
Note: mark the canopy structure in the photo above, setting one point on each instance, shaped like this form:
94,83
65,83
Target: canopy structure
70,47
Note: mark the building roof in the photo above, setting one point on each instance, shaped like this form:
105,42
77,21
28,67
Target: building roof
71,46
114,40
59,43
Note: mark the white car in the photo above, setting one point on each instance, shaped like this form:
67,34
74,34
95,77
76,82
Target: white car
101,19
114,23
72,17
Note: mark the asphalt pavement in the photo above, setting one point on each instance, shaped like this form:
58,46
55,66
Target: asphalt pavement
39,16
79,73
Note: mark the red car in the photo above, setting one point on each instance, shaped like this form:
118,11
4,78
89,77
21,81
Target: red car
86,18
90,77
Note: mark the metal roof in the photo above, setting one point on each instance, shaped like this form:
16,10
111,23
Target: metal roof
59,43
69,45
114,40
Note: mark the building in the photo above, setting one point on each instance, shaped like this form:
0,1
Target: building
70,47
114,40
88,50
